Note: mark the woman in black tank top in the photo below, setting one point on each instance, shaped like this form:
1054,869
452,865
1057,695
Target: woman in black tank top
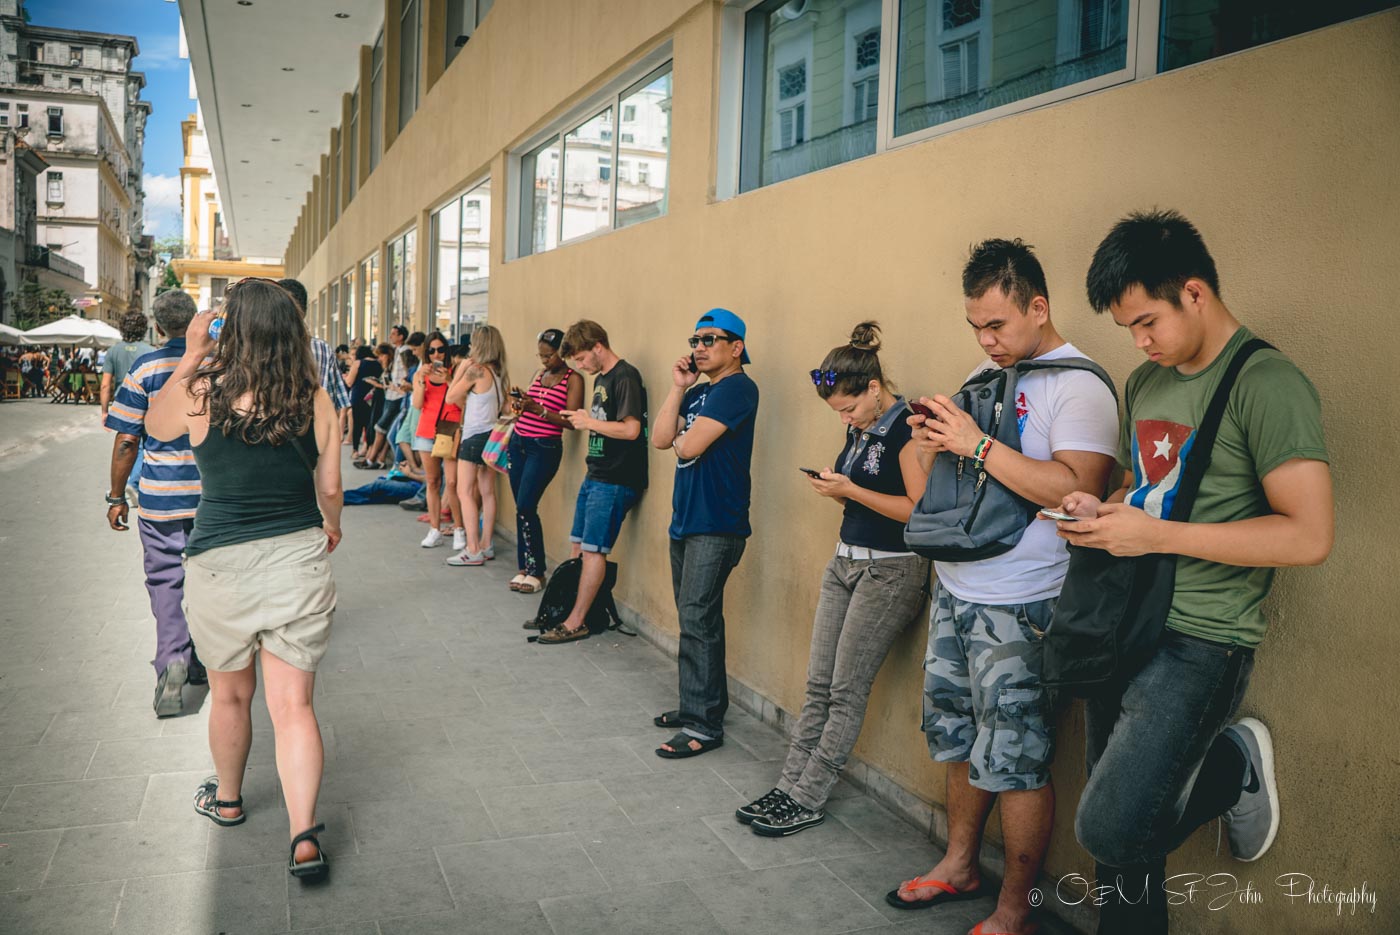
258,577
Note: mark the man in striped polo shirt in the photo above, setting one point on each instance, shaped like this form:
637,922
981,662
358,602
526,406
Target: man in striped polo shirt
168,495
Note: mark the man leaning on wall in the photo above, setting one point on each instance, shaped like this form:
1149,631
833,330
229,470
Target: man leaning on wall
986,713
1163,756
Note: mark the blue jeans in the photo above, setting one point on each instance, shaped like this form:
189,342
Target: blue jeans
533,464
599,512
1159,768
700,567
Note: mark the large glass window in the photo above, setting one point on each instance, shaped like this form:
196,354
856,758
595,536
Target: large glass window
457,30
347,311
462,261
811,86
400,277
332,294
335,180
410,28
369,291
353,142
376,102
1195,30
568,186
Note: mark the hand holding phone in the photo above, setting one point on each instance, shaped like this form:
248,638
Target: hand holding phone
810,473
1061,517
919,409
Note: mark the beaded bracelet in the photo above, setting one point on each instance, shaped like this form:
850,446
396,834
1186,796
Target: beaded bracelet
979,454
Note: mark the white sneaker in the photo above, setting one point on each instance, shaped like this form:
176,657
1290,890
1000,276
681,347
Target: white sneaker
432,539
466,558
459,538
490,552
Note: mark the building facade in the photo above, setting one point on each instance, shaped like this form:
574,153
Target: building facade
22,258
75,98
811,163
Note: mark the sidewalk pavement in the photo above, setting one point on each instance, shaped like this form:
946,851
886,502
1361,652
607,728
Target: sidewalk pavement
473,783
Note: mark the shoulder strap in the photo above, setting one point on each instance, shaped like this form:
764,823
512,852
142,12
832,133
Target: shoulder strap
1199,461
301,453
1069,363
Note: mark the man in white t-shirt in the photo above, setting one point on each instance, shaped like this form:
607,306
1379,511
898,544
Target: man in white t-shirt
986,713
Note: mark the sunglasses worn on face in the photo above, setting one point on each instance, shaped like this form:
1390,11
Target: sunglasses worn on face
707,339
437,350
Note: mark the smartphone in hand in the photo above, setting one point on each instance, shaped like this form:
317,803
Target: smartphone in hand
919,409
810,473
1057,515
693,368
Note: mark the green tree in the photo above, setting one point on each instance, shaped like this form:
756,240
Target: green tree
168,281
34,305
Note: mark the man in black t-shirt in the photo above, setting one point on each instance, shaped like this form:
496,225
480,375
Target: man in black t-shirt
617,462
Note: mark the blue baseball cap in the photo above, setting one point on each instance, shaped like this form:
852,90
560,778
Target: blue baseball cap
726,320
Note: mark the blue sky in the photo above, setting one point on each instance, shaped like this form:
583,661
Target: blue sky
156,26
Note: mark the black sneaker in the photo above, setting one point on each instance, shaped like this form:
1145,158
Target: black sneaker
416,503
785,818
759,807
198,675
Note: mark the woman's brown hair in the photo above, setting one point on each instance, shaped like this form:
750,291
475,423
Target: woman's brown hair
853,365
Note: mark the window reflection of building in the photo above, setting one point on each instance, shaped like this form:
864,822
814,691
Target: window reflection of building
461,262
369,291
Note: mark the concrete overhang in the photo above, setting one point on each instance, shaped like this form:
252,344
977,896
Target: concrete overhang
240,56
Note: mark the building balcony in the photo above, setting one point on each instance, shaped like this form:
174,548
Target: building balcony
44,258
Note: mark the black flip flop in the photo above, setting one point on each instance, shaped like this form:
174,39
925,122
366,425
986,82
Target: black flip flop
667,719
680,746
956,896
314,868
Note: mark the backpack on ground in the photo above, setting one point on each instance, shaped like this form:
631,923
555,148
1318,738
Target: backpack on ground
560,592
965,514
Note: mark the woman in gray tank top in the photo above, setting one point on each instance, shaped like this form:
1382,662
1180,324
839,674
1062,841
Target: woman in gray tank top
258,576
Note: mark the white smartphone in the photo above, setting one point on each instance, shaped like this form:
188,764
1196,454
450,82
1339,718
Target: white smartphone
1062,517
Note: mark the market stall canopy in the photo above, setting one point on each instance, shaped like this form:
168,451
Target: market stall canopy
12,336
76,331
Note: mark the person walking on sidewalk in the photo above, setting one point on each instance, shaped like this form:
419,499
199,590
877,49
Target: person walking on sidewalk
709,426
1164,757
267,442
167,497
871,589
536,448
986,713
617,464
117,362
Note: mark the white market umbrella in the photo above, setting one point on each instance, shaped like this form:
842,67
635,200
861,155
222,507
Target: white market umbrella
12,336
74,330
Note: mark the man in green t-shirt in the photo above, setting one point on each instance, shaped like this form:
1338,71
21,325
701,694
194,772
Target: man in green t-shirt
1163,756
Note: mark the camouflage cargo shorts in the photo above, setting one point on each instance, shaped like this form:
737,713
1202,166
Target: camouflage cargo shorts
983,701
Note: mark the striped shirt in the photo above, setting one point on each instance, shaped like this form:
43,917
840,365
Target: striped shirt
169,487
331,380
554,398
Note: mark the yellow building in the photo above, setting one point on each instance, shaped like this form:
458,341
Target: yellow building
208,263
809,163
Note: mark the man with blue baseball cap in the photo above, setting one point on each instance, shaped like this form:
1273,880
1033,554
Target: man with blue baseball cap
709,425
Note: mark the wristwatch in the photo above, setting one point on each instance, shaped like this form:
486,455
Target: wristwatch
115,501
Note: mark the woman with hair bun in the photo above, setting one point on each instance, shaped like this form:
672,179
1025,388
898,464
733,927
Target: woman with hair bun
871,589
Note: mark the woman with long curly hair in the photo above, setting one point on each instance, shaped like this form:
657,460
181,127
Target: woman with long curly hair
258,578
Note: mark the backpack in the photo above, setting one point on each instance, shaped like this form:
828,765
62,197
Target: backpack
966,515
557,601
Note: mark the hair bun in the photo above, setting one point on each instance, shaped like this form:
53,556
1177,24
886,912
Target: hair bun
866,336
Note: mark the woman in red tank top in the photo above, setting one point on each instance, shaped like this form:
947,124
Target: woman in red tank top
439,417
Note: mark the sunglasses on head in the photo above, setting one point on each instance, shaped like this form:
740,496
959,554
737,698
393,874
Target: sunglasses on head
829,377
708,339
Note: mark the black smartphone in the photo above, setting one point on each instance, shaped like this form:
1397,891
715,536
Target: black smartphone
515,392
809,472
919,409
693,368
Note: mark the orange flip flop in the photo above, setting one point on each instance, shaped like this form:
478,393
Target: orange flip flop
948,894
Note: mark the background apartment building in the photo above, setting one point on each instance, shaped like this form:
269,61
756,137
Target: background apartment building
810,163
75,99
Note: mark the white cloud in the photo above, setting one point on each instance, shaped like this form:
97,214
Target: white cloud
159,52
163,217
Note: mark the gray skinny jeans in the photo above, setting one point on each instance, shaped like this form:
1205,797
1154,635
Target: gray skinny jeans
863,606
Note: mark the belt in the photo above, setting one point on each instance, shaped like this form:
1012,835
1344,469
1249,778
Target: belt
862,554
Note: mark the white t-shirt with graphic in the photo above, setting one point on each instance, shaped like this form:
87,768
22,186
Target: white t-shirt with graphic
1058,410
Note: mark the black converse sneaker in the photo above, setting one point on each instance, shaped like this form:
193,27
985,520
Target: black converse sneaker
785,818
759,807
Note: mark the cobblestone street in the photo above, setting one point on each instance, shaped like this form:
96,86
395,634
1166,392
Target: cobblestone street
473,783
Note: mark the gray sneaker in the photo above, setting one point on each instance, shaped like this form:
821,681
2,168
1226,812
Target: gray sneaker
1253,821
168,700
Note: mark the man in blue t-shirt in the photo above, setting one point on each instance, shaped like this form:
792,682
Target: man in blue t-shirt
709,425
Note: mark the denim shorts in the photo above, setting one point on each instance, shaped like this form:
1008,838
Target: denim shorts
598,514
984,704
471,448
388,415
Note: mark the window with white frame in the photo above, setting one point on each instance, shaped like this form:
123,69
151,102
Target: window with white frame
568,186
55,187
55,121
463,17
369,291
461,251
811,86
1196,30
400,268
347,307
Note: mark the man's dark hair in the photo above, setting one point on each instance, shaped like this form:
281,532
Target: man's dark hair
416,339
297,290
1008,265
173,311
342,348
1157,250
400,330
133,326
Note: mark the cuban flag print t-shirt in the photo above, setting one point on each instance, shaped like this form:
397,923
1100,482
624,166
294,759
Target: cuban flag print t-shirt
1273,416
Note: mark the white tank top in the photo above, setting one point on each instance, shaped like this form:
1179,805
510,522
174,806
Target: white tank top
481,411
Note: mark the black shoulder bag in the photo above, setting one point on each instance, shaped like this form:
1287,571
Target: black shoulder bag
1112,610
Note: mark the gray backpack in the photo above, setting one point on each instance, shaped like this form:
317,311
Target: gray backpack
965,514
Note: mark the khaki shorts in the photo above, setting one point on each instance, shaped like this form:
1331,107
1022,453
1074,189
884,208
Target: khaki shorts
276,593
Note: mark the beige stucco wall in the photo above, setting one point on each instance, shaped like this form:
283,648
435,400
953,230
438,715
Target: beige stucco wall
1285,158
